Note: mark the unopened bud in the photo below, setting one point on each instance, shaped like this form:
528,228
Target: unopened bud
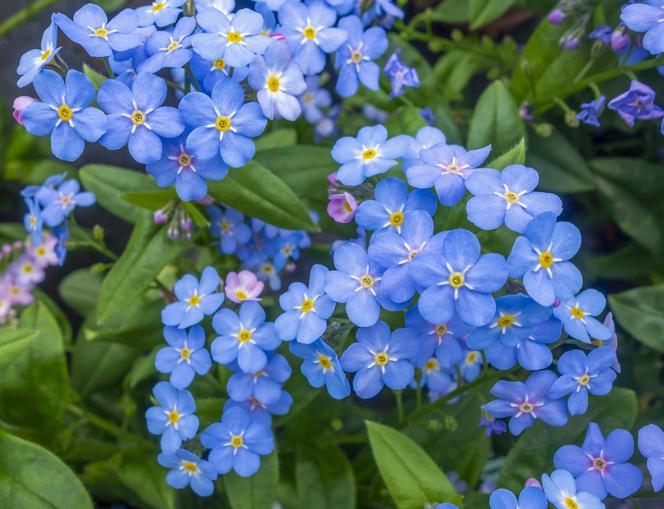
160,217
19,106
556,16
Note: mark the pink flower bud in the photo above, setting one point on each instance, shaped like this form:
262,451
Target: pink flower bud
159,217
20,104
341,207
619,39
532,481
278,36
206,200
556,16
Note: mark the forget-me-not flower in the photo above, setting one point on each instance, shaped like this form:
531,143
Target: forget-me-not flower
57,203
187,469
169,49
229,227
196,299
264,385
531,497
185,356
578,316
34,60
160,12
442,340
561,490
638,103
646,17
651,446
590,111
400,74
321,367
174,418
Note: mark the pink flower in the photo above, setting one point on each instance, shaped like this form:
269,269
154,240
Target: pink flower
243,286
532,481
342,207
14,293
278,36
45,254
20,104
333,182
556,16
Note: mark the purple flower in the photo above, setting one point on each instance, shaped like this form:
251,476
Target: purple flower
492,426
590,111
243,286
620,39
341,207
195,299
400,74
637,103
600,465
651,445
556,16
524,402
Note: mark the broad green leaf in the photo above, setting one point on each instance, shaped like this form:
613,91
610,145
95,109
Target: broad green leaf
406,120
138,325
149,250
485,11
515,155
629,263
631,189
258,491
324,478
277,139
95,77
79,290
257,192
411,476
454,70
31,171
533,452
10,232
31,477
452,11
561,168
196,215
13,342
496,120
109,183
38,374
151,200
640,311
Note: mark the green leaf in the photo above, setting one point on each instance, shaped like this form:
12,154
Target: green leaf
631,190
149,250
485,11
454,70
533,453
640,311
515,155
406,120
277,139
255,492
324,478
496,120
562,169
452,11
257,192
95,77
33,478
199,219
79,290
38,374
109,183
151,200
13,342
411,476
10,232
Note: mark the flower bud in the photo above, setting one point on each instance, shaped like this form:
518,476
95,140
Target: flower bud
159,217
556,16
619,39
20,104
532,481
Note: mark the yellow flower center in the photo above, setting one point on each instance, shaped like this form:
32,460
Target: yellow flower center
453,168
219,64
33,220
431,365
526,407
101,32
241,295
347,207
27,269
599,463
367,281
173,46
570,503
190,467
396,218
369,154
324,361
138,117
381,359
243,336
506,321
307,305
471,357
223,124
584,379
157,6
267,269
173,417
273,84
441,329
309,33
234,37
65,113
308,97
184,159
46,54
185,353
225,227
577,312
546,259
456,280
194,301
511,197
356,56
237,441
41,251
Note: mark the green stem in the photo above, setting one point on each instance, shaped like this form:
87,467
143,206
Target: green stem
109,71
174,85
399,397
193,78
23,15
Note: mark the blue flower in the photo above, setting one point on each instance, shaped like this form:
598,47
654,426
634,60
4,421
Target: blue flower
310,33
313,99
355,283
649,18
581,375
561,490
578,316
64,113
61,232
541,257
524,402
381,8
306,309
637,103
458,278
98,36
651,445
32,61
57,204
174,418
136,117
196,299
380,357
278,80
179,166
161,13
392,205
237,40
446,167
261,411
529,498
371,153
264,385
245,337
208,73
229,227
321,367
222,124
355,58
425,138
394,253
600,465
169,49
442,340
400,74
590,111
434,376
33,220
508,197
237,442
185,356
187,469
472,365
